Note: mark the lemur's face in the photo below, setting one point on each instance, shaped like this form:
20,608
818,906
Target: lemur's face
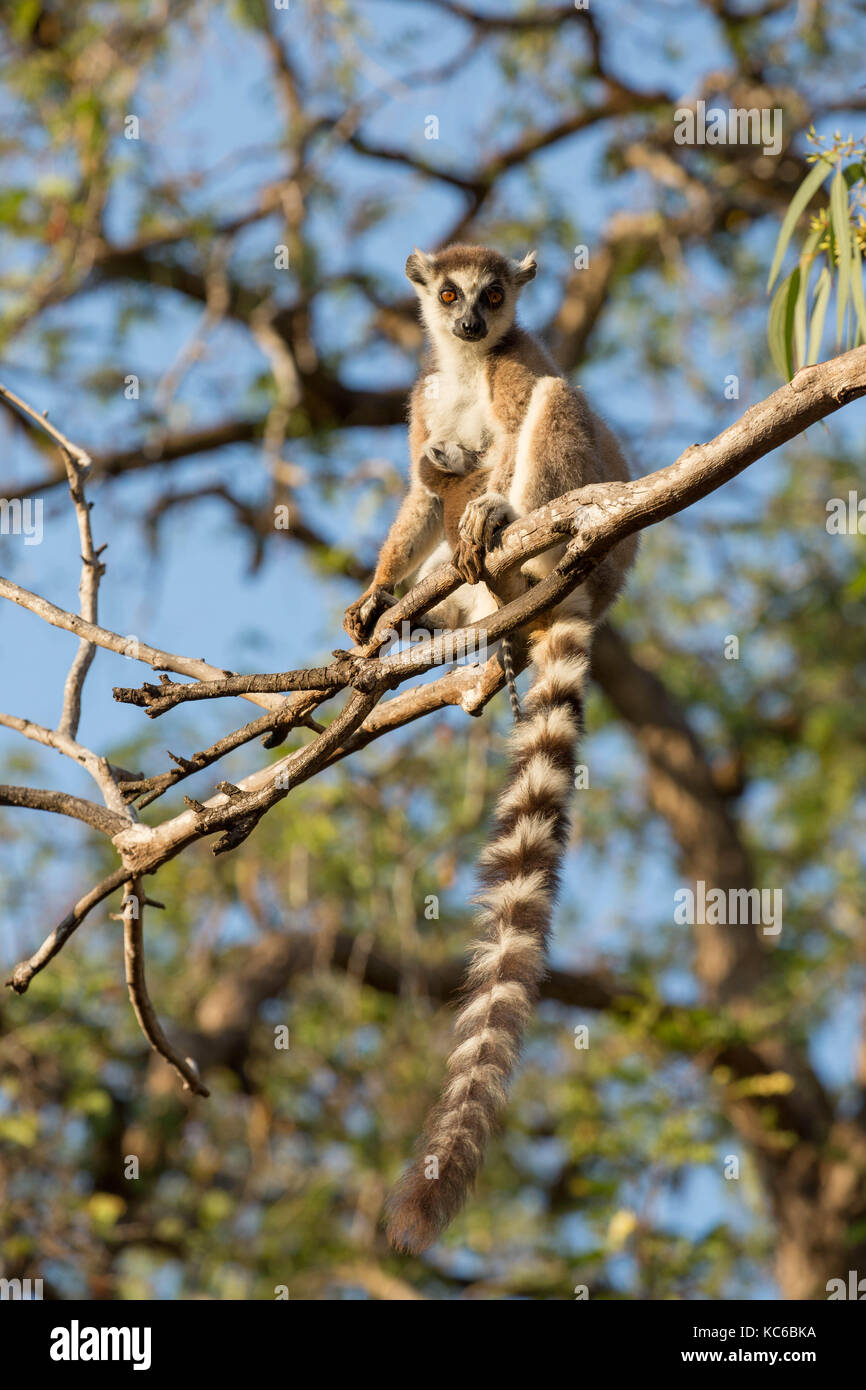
468,292
470,305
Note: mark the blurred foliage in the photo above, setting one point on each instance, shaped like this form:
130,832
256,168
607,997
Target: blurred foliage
278,1178
610,1170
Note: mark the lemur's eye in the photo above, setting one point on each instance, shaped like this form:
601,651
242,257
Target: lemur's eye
494,296
447,296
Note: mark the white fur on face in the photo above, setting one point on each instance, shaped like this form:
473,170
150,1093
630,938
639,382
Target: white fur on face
471,281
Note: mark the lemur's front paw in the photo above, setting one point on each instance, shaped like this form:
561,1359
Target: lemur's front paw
482,517
451,458
361,616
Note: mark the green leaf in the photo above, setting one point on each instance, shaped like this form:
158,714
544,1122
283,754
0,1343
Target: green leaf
21,1129
857,296
857,586
807,261
92,1102
841,225
781,323
105,1208
811,183
11,200
816,330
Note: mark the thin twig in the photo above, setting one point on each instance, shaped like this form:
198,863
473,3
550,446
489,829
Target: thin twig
144,850
148,789
129,646
37,799
595,517
81,456
101,770
92,570
133,959
56,940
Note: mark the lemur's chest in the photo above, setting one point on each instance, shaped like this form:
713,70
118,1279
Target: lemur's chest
457,408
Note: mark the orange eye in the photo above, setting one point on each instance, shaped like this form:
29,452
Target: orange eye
495,298
447,296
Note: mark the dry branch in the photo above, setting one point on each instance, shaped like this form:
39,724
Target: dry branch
133,959
77,807
56,939
588,521
92,570
592,519
80,456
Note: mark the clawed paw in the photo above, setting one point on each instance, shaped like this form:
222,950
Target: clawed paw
361,616
452,458
482,518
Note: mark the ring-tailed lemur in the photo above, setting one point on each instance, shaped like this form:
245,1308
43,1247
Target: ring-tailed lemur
491,408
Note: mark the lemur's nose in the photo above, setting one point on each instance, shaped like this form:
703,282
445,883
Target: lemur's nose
472,327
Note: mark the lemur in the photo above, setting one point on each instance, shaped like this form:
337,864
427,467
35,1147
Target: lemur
495,431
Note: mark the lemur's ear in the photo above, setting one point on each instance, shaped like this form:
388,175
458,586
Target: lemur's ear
524,270
418,267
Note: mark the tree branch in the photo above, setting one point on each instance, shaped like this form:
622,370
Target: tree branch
81,457
595,518
130,646
592,518
133,958
38,800
56,940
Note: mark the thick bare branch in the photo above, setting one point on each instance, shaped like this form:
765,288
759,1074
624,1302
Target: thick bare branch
592,518
595,518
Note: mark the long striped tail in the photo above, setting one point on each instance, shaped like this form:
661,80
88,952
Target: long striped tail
520,877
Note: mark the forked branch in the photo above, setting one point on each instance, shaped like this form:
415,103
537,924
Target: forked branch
588,521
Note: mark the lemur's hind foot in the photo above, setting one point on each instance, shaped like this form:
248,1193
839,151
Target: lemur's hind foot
361,616
483,517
